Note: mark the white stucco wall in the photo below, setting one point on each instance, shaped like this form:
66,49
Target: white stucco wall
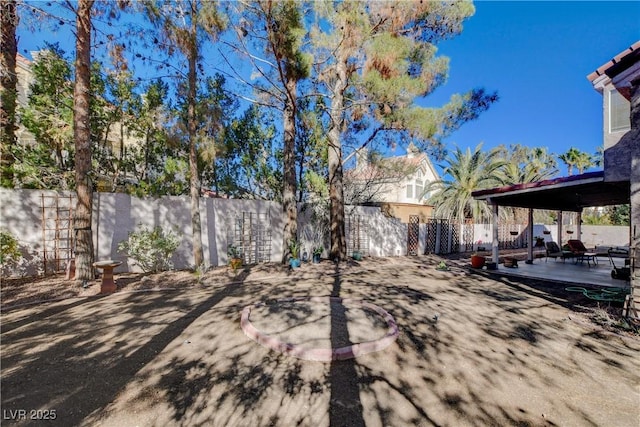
117,214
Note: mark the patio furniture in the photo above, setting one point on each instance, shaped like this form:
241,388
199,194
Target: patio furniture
554,251
581,253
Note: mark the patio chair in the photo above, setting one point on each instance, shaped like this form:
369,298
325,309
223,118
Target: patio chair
581,253
554,251
577,247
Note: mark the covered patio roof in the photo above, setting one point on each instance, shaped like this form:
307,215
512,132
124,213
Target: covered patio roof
572,193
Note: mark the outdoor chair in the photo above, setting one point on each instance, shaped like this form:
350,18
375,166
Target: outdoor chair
577,247
554,251
581,253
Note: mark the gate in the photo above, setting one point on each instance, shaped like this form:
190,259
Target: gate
443,236
467,235
413,235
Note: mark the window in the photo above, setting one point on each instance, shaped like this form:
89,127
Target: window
409,191
419,188
619,112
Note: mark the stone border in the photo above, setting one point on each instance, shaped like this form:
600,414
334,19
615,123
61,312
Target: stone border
321,354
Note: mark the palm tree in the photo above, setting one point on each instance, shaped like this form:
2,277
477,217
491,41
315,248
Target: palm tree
570,158
584,161
524,164
465,172
598,157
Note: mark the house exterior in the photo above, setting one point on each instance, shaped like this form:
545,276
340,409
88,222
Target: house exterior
614,81
397,184
617,80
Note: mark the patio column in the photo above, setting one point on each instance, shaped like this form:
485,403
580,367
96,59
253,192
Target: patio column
579,225
633,308
494,246
530,237
559,235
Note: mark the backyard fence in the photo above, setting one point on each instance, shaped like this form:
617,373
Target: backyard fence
40,220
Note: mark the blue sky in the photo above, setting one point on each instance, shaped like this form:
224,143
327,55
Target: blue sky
537,55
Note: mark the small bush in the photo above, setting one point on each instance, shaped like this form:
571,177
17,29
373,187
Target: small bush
150,249
9,250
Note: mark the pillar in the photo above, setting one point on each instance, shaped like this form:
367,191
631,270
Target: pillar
530,236
495,256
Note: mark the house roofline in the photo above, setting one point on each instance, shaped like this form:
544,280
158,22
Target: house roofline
617,64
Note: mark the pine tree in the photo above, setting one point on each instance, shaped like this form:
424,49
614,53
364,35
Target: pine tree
183,25
374,60
8,93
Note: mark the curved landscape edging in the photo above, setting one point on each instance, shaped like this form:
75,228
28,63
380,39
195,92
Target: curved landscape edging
321,354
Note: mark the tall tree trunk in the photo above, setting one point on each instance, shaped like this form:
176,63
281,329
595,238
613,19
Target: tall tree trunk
289,207
82,137
336,188
8,93
196,226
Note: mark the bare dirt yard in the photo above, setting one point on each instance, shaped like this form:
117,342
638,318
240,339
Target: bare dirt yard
168,349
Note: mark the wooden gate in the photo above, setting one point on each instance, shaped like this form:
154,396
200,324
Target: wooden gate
413,235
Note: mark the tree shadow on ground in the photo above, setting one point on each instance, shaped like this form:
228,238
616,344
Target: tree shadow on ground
471,351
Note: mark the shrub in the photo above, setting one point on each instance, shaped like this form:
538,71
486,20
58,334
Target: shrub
9,251
150,249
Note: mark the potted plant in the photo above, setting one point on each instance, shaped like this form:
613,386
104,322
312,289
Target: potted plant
235,256
294,251
317,252
477,261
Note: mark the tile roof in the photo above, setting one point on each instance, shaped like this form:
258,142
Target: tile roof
631,54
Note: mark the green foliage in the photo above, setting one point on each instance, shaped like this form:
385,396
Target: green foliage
248,165
465,172
524,164
48,116
9,249
150,249
294,248
574,158
619,215
234,251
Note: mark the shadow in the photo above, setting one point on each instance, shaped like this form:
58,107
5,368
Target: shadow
70,384
39,316
472,350
345,407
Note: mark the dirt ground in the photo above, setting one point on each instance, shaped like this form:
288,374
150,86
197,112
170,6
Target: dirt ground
167,349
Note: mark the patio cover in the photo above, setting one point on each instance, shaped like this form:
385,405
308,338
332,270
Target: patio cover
572,193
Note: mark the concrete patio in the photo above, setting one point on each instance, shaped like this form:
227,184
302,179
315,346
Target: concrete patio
568,272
